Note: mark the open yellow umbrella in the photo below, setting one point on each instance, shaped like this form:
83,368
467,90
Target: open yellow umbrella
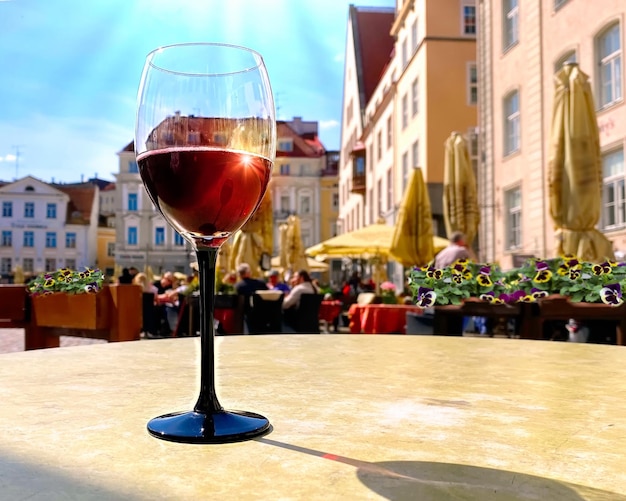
460,197
254,239
370,241
575,168
312,264
412,243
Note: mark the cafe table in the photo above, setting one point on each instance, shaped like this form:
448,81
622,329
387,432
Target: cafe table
354,417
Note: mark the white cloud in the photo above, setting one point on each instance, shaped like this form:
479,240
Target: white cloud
328,124
7,158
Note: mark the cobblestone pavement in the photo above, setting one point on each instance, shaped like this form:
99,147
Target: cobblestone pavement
13,340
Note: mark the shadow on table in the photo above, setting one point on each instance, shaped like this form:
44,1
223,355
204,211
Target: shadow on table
430,481
22,480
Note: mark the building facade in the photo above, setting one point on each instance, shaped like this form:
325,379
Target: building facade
410,81
47,226
142,236
520,47
303,182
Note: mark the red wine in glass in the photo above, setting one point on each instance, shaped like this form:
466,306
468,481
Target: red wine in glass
205,192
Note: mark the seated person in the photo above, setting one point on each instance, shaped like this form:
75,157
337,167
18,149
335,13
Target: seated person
274,282
247,286
302,285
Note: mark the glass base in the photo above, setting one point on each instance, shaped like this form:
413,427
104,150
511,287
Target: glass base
219,427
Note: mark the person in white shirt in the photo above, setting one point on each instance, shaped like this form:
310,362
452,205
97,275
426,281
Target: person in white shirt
303,285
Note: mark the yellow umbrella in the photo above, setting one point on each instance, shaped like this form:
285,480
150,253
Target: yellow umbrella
460,197
412,243
254,239
372,240
149,273
312,264
282,246
296,260
575,168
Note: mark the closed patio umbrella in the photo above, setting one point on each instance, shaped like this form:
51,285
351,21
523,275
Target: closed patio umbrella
296,260
412,243
460,197
575,168
254,239
18,275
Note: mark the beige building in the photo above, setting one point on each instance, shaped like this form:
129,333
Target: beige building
410,81
520,46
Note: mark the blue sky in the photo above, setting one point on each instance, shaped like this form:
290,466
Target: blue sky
69,70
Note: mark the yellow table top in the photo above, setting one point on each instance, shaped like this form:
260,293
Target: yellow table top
354,417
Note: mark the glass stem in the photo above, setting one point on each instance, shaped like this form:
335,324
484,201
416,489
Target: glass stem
207,401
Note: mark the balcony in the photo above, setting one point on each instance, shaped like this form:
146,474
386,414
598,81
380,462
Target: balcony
358,169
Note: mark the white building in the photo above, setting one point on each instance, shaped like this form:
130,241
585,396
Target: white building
47,226
143,236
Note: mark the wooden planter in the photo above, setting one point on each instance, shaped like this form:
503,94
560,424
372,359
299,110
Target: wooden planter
73,311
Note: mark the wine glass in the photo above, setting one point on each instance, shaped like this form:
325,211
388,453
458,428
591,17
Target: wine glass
205,141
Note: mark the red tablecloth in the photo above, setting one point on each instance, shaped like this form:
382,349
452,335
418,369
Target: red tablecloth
379,318
226,316
329,310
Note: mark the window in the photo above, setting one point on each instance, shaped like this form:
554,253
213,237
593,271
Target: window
51,239
28,264
349,112
132,202
469,18
335,201
305,205
29,209
414,36
389,189
7,238
5,267
614,196
110,249
360,165
415,153
414,98
513,218
405,54
179,241
7,209
285,145
568,57
405,170
511,123
284,169
405,111
510,28
132,167
389,133
51,211
70,264
610,63
379,145
29,239
559,3
285,204
70,241
379,196
370,157
132,235
51,264
472,84
159,235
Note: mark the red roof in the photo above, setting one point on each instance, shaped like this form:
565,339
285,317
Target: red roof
81,201
302,147
373,46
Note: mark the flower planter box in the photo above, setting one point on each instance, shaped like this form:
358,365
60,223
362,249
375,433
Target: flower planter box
73,311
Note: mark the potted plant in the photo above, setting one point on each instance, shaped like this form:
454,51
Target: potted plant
388,293
70,299
565,277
